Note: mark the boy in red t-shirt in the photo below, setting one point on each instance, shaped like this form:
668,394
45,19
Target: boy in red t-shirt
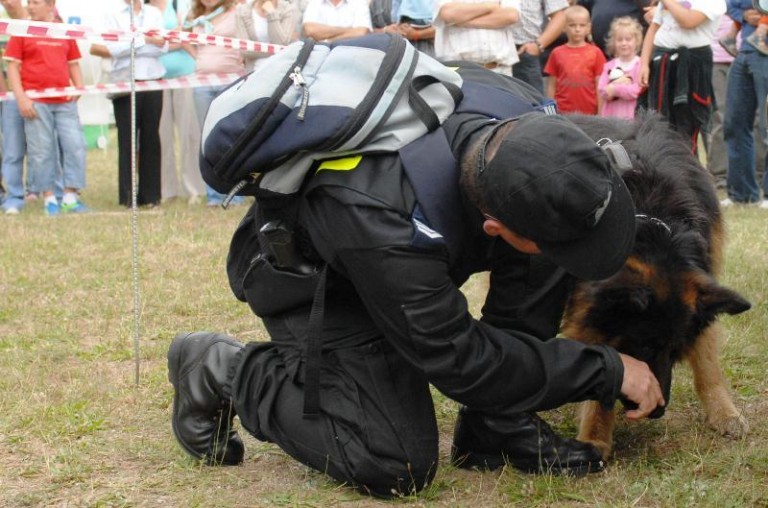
575,67
36,63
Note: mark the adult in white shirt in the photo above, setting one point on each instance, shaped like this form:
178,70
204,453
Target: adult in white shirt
477,31
541,23
331,20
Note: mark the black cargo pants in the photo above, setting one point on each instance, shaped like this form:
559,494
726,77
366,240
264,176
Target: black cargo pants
376,429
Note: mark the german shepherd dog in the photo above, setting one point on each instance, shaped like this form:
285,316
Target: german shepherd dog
662,306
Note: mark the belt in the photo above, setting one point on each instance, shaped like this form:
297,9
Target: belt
491,65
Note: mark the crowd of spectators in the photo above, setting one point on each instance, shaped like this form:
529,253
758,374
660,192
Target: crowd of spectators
591,56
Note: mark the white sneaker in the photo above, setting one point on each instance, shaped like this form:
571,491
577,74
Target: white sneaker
763,204
11,211
726,203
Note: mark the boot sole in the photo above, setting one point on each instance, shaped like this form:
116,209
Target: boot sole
174,368
492,462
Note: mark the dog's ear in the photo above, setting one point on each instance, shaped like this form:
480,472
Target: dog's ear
716,299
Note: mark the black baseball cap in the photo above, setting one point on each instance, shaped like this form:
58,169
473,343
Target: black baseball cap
552,184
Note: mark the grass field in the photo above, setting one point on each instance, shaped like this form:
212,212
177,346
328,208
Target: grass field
75,429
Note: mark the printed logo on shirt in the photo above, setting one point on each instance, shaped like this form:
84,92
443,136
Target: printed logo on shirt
424,237
423,228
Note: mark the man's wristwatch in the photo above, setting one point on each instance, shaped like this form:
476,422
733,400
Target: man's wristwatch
538,45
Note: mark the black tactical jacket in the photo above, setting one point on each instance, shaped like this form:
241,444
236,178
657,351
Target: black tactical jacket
393,271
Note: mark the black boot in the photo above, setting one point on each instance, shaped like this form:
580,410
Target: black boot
522,440
198,364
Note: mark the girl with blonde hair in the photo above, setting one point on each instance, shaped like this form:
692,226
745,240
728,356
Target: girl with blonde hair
619,84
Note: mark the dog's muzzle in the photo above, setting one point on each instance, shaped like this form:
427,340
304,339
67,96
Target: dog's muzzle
655,414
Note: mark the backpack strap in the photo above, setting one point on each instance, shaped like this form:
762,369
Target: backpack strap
498,103
314,349
419,106
425,162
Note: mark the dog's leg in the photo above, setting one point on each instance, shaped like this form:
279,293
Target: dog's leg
596,426
710,385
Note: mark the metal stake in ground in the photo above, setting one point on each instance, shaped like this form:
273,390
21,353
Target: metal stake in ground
134,207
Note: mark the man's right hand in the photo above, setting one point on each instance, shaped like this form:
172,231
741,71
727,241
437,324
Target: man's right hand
640,386
529,47
752,16
26,106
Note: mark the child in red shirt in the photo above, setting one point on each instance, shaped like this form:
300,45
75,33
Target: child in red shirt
575,67
36,63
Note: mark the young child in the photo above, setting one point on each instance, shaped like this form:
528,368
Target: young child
619,84
756,39
685,98
36,63
575,67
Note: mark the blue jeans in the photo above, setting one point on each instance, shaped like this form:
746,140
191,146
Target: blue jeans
203,96
528,69
55,121
14,148
746,91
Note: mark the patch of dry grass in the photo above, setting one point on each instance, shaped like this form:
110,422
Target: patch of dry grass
75,430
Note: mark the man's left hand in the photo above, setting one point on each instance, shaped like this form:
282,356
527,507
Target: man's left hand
529,47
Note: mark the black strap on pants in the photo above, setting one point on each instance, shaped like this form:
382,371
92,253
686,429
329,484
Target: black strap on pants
314,349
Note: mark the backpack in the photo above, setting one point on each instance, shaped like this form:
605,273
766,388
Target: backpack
315,101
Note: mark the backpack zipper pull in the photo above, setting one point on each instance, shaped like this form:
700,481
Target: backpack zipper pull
233,192
300,82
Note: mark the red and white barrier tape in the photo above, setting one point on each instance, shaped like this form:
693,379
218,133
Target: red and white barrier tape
192,81
28,28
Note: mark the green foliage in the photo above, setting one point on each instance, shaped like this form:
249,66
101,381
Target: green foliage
75,430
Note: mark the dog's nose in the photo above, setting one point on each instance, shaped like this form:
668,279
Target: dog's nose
629,405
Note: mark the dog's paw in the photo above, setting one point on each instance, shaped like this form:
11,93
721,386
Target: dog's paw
603,447
733,426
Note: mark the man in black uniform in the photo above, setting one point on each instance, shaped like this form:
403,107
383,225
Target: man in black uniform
395,321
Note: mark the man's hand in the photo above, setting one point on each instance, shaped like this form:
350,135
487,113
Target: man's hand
640,386
26,106
529,47
752,16
14,9
648,13
157,41
645,73
268,6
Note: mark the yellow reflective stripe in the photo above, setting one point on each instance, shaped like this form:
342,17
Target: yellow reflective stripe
343,164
